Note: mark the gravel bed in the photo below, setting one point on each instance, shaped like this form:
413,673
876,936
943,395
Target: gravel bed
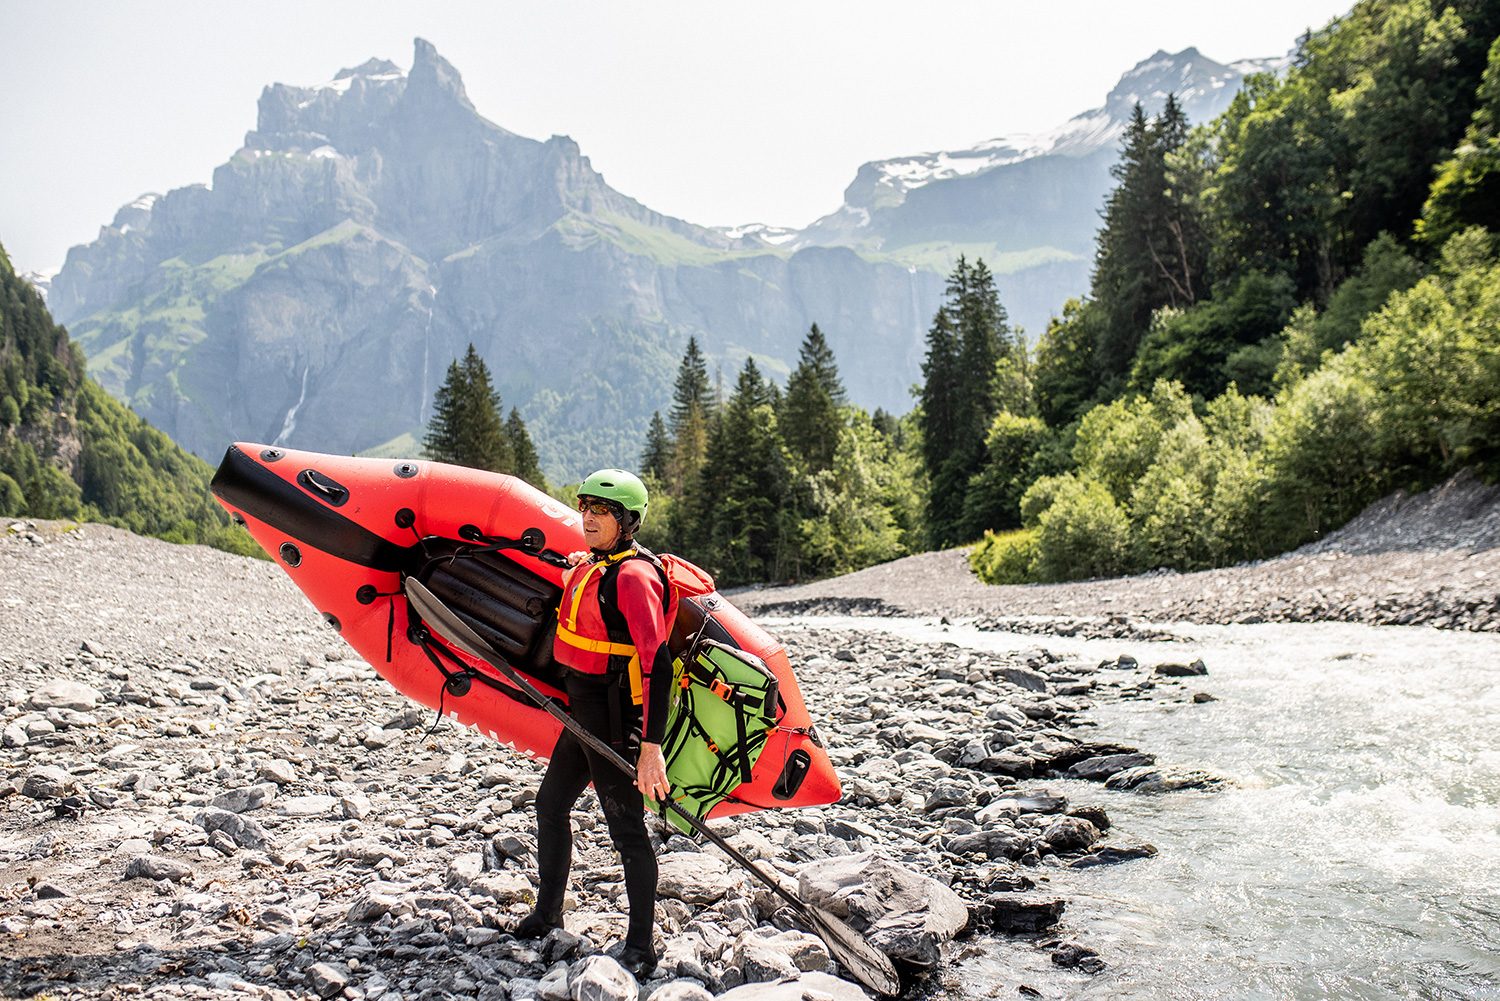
204,793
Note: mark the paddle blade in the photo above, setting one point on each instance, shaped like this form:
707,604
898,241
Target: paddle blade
868,964
445,623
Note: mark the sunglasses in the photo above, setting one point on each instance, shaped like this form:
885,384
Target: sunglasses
598,508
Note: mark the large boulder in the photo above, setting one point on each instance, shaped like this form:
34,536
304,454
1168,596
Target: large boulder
903,913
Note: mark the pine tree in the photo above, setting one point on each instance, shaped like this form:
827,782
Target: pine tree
741,525
1122,263
810,421
466,429
441,441
940,415
691,415
527,466
656,457
969,347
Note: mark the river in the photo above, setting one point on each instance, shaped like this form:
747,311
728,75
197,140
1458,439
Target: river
1355,855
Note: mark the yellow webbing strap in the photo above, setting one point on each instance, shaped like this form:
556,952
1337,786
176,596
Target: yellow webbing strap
571,638
568,636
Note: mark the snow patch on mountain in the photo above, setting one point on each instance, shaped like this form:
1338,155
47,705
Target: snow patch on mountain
775,236
41,280
1201,85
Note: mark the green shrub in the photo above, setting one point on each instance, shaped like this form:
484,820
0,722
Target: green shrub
12,500
1006,557
993,497
1084,533
1039,497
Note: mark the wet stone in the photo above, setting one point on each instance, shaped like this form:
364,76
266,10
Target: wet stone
1100,768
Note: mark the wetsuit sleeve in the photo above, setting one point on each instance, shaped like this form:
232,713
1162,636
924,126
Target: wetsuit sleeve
642,603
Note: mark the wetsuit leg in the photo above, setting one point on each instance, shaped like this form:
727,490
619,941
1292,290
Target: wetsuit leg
566,777
624,808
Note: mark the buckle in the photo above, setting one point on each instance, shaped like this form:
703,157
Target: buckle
720,689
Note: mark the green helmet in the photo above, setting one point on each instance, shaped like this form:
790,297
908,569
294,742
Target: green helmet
625,489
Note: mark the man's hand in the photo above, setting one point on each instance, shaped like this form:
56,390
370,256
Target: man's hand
651,773
577,556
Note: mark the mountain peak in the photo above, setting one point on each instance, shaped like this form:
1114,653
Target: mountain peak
431,73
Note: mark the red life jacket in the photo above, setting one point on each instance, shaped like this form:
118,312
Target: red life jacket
592,635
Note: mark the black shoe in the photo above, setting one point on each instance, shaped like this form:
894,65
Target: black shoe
640,962
536,925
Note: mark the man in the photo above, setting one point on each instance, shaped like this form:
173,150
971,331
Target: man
612,639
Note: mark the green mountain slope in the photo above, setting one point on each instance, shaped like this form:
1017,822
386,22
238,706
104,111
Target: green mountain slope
69,450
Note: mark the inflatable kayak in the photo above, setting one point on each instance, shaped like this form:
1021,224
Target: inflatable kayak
350,531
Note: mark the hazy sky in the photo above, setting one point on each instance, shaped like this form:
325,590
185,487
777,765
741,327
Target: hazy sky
718,113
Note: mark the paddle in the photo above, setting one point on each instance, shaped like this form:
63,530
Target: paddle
869,965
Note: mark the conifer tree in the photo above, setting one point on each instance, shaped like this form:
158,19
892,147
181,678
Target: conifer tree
810,421
527,466
939,413
968,341
742,526
1152,251
656,458
690,417
466,429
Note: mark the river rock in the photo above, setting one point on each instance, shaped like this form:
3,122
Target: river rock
1193,670
505,887
1071,955
1069,834
683,955
808,987
1158,780
46,782
1013,806
680,990
1019,913
599,978
694,878
904,914
326,979
1101,768
379,899
64,693
992,842
157,867
277,770
948,792
1023,677
310,806
243,831
1112,855
245,799
766,954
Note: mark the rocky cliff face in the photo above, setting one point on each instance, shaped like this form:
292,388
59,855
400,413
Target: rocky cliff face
372,226
1029,204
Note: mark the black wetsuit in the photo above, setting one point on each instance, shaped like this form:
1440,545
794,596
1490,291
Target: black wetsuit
603,707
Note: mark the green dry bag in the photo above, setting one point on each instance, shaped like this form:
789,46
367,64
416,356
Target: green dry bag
724,705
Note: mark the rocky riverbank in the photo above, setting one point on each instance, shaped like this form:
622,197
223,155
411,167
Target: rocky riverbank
1426,559
202,793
